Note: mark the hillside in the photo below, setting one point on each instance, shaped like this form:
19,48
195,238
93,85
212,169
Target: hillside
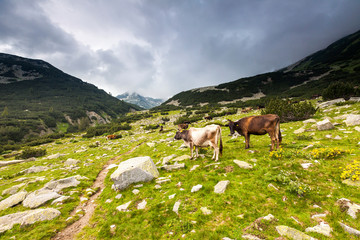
308,77
141,101
35,97
302,187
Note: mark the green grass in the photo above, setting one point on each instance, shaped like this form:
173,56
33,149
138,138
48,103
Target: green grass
247,197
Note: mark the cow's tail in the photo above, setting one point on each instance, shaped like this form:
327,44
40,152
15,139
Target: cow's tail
221,146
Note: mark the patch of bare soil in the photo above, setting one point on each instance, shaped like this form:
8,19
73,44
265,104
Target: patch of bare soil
72,230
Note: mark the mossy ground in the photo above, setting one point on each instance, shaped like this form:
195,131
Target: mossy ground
247,197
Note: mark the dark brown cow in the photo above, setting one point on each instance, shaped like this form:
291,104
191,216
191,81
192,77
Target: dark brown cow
258,125
208,118
202,137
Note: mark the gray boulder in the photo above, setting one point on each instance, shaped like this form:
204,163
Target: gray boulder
71,162
352,208
5,163
139,169
331,102
39,197
58,185
173,167
27,218
14,189
36,169
352,119
12,200
350,230
324,125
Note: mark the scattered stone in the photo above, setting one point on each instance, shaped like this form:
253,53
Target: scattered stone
196,188
139,169
71,162
181,158
157,186
309,121
306,165
123,207
205,211
118,196
323,228
176,207
139,186
39,197
173,167
151,144
108,201
12,200
135,191
299,131
6,163
220,187
355,99
337,137
328,136
346,204
58,185
60,200
292,233
172,196
12,190
250,237
142,204
324,125
83,199
316,216
352,119
331,102
113,229
243,164
55,156
36,169
111,166
167,159
357,129
350,230
27,217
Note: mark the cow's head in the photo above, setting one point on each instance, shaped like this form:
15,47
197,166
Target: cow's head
232,125
178,135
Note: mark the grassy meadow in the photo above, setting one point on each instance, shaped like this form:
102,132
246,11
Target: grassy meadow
277,184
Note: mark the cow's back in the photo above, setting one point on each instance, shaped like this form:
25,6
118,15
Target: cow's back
202,136
260,124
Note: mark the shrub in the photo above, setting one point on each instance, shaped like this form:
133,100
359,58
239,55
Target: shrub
291,182
327,153
288,110
32,152
151,127
188,119
338,90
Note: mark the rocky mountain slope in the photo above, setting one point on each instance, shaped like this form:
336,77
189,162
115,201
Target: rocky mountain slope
308,77
141,101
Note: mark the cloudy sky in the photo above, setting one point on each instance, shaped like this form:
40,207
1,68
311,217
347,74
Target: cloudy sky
161,47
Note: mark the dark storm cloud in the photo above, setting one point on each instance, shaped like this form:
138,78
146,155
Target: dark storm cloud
159,48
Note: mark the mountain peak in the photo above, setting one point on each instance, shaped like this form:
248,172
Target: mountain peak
141,101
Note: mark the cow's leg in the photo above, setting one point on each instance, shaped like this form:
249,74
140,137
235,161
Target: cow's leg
273,139
191,150
216,151
247,140
197,151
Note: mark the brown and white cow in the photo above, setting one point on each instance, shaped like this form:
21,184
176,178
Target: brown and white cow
202,137
258,125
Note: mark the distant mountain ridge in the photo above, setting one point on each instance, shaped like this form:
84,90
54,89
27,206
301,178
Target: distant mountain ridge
141,101
35,97
308,77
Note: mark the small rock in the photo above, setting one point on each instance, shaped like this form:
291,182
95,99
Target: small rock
300,130
172,196
322,228
250,237
157,186
123,207
150,144
60,200
181,158
71,162
194,167
352,208
142,204
196,188
324,125
350,230
111,166
306,165
205,211
173,167
220,187
135,191
118,196
12,200
176,207
243,164
292,233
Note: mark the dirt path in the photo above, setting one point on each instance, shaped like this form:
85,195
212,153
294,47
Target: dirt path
70,231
